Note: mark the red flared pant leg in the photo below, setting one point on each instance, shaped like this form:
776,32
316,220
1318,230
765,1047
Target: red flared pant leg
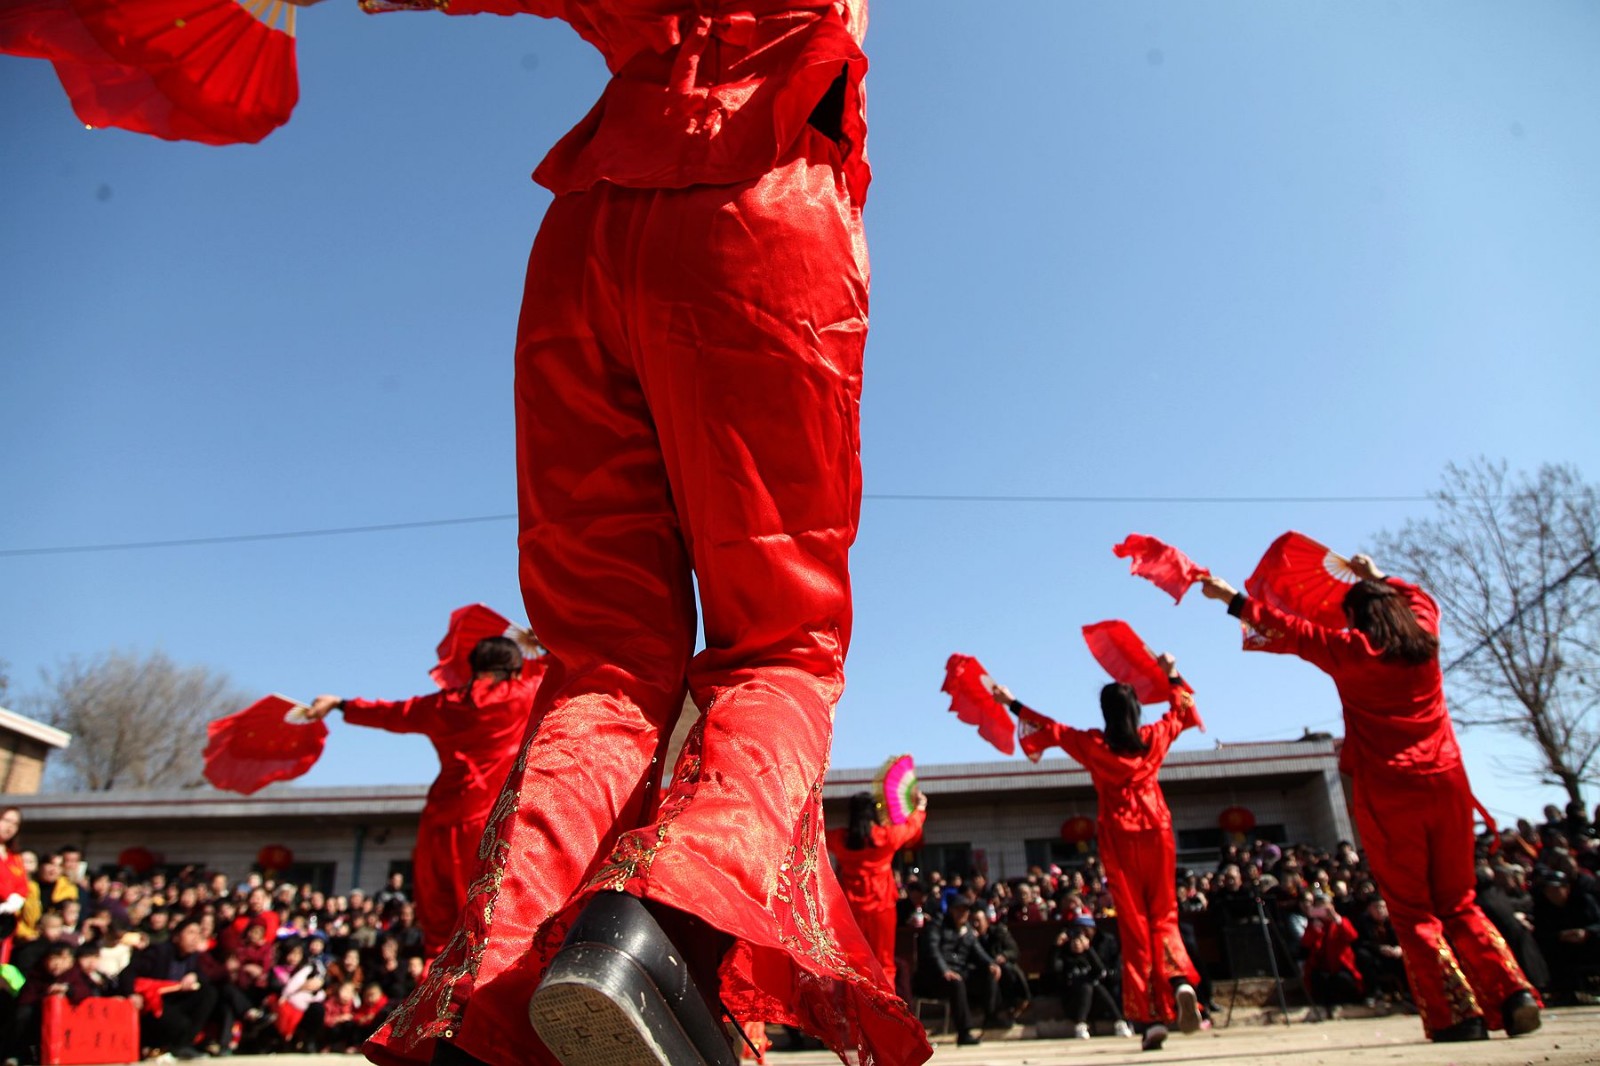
1142,866
688,389
1419,843
879,928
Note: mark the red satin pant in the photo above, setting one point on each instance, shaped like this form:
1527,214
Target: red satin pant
1417,833
688,386
1142,866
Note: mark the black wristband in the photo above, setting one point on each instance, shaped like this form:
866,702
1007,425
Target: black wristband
1236,605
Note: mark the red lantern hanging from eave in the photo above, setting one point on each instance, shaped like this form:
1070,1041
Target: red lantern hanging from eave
1236,821
1079,831
140,860
274,857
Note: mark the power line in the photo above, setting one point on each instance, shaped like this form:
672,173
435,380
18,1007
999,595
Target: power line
888,497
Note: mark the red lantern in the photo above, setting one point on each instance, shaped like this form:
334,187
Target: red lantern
1079,831
274,857
1236,822
140,860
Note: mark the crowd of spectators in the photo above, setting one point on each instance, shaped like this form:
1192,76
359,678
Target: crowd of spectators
1316,912
217,964
214,964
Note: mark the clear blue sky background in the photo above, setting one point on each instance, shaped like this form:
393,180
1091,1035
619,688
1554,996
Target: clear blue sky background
1120,249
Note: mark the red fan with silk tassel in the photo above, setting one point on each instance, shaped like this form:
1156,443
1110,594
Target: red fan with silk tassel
212,71
1128,659
473,623
1160,563
1301,577
273,739
972,701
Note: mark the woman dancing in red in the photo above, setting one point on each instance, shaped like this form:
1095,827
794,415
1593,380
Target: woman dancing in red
688,389
1136,843
477,731
1413,805
865,851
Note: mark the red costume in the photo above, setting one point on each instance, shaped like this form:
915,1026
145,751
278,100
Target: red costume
868,881
1413,808
476,730
13,882
1137,847
688,387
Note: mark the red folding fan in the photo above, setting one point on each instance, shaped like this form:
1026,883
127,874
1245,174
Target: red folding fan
1166,567
971,701
473,623
213,71
273,739
1123,655
1301,577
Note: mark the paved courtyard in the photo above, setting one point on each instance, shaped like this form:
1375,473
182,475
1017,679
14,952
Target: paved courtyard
1570,1037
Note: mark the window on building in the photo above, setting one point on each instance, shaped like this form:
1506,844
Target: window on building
948,859
1048,851
1202,846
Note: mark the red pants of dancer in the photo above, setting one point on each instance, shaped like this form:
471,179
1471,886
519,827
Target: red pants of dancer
688,383
1142,867
879,928
1417,833
442,864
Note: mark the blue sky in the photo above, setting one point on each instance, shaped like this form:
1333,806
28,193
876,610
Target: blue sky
1120,250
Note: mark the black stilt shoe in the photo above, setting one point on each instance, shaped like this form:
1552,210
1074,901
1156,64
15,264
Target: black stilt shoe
619,993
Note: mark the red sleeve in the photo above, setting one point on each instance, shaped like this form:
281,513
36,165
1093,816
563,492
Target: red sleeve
907,834
1181,714
1039,734
415,715
1288,635
1422,605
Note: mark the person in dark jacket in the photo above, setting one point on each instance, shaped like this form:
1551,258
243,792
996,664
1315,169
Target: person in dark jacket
1566,922
949,954
1078,975
1011,992
174,971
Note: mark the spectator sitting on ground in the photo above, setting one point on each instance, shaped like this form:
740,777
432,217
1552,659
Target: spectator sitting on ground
1566,923
1012,994
1330,968
1078,975
173,971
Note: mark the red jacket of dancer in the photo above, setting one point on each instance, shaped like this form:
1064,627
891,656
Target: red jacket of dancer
1394,712
698,97
1129,794
477,731
864,873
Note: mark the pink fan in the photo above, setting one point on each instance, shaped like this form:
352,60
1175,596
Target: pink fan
895,790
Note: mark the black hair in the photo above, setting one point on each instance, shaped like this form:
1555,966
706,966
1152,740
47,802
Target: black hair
1376,609
1119,704
863,816
497,655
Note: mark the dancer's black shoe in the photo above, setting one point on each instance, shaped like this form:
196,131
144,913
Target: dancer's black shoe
1520,1013
619,993
447,1054
1471,1029
1154,1037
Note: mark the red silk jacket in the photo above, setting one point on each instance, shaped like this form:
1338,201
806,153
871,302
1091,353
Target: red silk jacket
1395,717
864,873
1125,785
477,731
702,92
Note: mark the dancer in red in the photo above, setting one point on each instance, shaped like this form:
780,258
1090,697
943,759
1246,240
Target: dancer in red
1413,805
1136,842
865,851
477,731
688,389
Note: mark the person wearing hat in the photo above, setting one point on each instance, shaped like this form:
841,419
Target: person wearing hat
949,956
1136,840
1412,802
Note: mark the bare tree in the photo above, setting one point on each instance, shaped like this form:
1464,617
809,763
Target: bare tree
1511,560
135,722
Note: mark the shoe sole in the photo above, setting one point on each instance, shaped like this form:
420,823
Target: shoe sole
1188,1011
1525,1019
1154,1037
596,1007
